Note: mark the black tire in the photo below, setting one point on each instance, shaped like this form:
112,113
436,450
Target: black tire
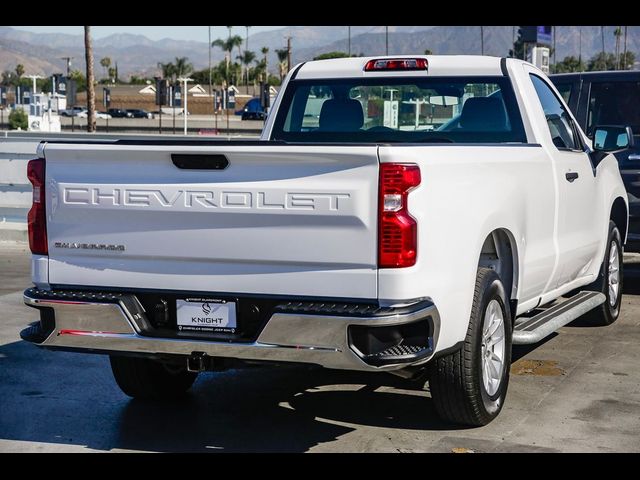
607,313
149,379
456,380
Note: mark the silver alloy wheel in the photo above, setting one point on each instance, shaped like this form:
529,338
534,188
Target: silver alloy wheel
493,347
614,274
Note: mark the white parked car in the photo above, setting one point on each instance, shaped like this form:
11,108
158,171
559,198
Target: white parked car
73,112
99,115
437,210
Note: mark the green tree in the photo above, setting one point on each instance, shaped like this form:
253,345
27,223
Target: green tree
608,61
569,64
18,119
19,70
80,79
112,74
106,63
428,52
136,80
627,61
328,55
7,78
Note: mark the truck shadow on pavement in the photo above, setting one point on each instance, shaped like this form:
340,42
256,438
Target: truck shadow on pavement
290,409
69,398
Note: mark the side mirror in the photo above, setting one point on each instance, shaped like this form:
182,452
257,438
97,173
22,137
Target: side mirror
612,138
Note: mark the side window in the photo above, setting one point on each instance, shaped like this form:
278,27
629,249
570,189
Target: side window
614,103
558,120
565,91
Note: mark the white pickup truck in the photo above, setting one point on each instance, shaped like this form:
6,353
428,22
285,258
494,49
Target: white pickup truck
415,215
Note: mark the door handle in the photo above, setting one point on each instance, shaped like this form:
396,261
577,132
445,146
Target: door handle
189,161
634,157
571,176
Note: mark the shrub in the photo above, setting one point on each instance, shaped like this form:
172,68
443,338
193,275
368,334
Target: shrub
18,119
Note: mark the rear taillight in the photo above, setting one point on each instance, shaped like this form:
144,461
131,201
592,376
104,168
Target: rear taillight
37,218
397,230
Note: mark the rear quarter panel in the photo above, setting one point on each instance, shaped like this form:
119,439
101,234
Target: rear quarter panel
467,191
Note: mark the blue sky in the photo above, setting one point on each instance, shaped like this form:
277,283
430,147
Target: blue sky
199,33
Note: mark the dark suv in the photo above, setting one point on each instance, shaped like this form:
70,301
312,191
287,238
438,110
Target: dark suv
138,113
119,113
610,98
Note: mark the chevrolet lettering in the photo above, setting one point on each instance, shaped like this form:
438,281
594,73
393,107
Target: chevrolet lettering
205,199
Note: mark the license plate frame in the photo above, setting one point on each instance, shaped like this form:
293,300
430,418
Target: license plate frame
206,315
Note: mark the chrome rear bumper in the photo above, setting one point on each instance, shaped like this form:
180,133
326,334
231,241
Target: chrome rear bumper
109,323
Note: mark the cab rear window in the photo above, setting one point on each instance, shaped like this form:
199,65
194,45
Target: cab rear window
412,110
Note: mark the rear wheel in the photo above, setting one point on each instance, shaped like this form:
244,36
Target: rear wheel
149,379
469,386
609,281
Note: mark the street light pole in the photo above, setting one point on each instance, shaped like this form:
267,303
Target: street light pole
624,55
33,78
185,97
68,60
209,60
554,46
580,48
386,40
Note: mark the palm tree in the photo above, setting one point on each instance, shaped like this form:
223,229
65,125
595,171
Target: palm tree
19,70
283,55
183,67
247,59
168,69
265,52
91,91
106,63
227,46
246,48
223,46
228,57
618,33
236,41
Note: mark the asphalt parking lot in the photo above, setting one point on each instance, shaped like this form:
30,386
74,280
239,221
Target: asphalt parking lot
578,391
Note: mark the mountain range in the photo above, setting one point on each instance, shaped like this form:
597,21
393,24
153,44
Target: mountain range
41,53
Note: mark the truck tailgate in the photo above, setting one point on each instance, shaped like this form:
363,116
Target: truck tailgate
279,220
